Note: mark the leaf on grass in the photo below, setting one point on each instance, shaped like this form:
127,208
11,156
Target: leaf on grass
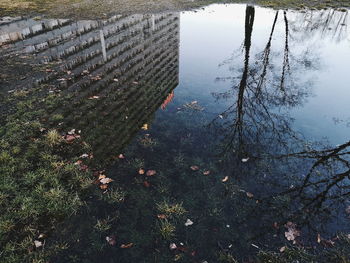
161,216
194,168
94,97
151,172
103,186
282,249
141,171
121,156
145,127
206,172
225,179
244,160
38,243
106,180
127,245
146,184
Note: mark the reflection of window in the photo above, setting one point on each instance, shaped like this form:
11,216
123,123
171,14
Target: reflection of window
168,99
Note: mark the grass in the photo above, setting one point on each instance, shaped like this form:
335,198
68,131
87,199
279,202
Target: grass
101,8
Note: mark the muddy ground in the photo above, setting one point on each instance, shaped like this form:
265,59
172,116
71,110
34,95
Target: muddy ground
100,8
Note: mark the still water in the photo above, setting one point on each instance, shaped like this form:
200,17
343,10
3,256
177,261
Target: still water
242,111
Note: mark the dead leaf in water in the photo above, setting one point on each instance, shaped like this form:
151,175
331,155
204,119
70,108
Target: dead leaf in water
250,195
127,245
292,232
111,240
194,168
225,179
151,172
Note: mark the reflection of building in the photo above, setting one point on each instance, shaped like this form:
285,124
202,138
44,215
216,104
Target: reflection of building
116,72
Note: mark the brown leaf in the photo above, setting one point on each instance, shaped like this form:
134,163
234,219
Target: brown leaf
127,245
146,184
145,127
151,172
282,249
121,156
161,216
194,168
104,186
206,172
141,171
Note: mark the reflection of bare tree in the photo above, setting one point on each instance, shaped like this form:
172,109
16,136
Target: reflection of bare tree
257,125
328,23
255,117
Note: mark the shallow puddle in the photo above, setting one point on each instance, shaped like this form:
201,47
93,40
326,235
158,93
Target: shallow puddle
226,128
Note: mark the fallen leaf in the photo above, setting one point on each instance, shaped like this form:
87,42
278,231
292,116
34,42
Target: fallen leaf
250,195
282,249
244,160
38,243
111,240
318,238
106,180
141,171
94,97
194,168
127,245
188,222
146,184
292,232
101,176
225,179
145,127
206,172
151,172
172,246
103,186
161,216
121,156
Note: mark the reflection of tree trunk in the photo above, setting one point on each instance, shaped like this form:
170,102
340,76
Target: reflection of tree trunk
285,66
249,21
266,55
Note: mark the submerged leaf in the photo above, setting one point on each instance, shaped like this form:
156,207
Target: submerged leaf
151,172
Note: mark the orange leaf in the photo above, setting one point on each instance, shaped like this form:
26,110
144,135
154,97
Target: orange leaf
127,245
141,171
104,186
